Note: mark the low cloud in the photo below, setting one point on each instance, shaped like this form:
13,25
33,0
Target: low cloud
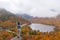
33,7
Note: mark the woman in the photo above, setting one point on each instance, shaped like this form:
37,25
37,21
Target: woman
18,26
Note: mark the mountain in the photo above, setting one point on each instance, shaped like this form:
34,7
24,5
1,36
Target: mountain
6,15
58,16
25,16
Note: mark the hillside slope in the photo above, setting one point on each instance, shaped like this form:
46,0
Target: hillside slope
6,15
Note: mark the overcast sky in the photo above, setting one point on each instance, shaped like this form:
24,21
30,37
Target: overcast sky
40,8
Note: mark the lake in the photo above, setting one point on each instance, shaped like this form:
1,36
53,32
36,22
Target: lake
42,27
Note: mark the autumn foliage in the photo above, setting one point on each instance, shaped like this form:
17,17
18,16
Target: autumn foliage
36,35
8,23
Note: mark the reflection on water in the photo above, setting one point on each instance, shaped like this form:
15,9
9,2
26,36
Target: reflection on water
41,27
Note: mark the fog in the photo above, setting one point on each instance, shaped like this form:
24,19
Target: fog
40,8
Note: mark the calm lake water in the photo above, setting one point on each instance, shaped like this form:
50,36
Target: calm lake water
42,27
